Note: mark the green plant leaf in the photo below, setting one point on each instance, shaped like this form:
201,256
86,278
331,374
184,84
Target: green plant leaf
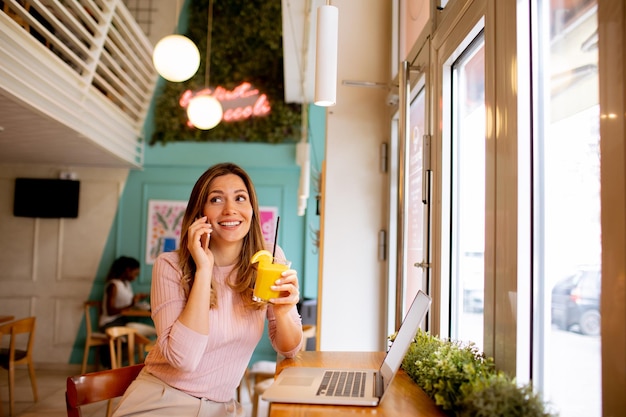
464,382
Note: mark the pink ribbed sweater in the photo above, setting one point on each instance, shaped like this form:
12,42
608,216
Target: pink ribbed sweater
205,366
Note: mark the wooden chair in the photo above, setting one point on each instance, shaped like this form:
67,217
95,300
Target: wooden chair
122,334
94,337
98,386
262,372
19,352
118,335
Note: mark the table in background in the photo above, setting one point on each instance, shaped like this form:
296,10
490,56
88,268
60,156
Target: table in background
6,318
136,312
405,397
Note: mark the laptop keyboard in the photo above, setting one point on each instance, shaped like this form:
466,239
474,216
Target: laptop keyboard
342,384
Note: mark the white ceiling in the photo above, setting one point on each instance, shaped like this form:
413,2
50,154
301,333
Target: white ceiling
30,137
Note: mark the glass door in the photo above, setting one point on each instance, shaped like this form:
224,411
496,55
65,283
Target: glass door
417,225
413,225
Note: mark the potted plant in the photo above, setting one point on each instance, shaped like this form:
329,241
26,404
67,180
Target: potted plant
464,382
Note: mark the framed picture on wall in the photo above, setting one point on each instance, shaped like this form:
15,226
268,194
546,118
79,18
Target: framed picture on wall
164,224
268,216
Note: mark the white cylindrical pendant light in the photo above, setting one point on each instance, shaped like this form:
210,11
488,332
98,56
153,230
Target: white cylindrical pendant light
204,112
326,56
176,58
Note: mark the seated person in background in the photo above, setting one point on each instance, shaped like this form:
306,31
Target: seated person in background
119,295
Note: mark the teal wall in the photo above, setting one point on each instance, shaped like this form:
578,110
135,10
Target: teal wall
171,170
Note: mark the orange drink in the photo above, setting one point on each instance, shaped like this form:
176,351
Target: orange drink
268,271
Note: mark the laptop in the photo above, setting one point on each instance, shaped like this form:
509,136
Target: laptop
364,387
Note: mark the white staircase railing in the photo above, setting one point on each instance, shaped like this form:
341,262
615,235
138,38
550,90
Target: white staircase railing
86,63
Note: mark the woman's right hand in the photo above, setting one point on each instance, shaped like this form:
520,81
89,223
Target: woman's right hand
198,243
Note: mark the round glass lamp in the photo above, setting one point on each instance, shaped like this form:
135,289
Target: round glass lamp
204,112
176,58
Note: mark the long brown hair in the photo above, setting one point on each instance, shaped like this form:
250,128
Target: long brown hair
252,242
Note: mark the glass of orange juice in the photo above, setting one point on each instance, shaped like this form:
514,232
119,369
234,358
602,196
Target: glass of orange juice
268,271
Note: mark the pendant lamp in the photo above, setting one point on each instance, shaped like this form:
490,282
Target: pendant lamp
175,57
205,111
326,55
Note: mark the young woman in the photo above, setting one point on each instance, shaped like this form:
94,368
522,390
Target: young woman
201,297
119,295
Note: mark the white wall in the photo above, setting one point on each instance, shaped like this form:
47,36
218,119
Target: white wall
352,298
49,265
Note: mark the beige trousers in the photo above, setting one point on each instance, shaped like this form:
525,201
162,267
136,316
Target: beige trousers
149,396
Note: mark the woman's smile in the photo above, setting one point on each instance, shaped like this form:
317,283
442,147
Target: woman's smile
229,223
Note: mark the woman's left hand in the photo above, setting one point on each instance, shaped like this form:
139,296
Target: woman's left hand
287,285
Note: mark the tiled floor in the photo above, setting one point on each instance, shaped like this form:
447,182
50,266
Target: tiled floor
51,388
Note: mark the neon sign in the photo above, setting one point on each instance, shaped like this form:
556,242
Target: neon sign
240,103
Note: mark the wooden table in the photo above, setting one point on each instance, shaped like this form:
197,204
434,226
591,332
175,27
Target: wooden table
6,318
405,398
136,312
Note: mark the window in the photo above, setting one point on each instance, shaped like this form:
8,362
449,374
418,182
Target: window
467,190
566,189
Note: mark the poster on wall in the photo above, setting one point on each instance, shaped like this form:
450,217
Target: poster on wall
268,216
164,223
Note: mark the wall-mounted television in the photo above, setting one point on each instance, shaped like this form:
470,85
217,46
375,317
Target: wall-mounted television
46,198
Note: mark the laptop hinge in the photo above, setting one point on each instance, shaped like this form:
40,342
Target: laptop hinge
379,384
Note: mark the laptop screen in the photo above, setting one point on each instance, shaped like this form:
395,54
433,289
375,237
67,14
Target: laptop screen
405,336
